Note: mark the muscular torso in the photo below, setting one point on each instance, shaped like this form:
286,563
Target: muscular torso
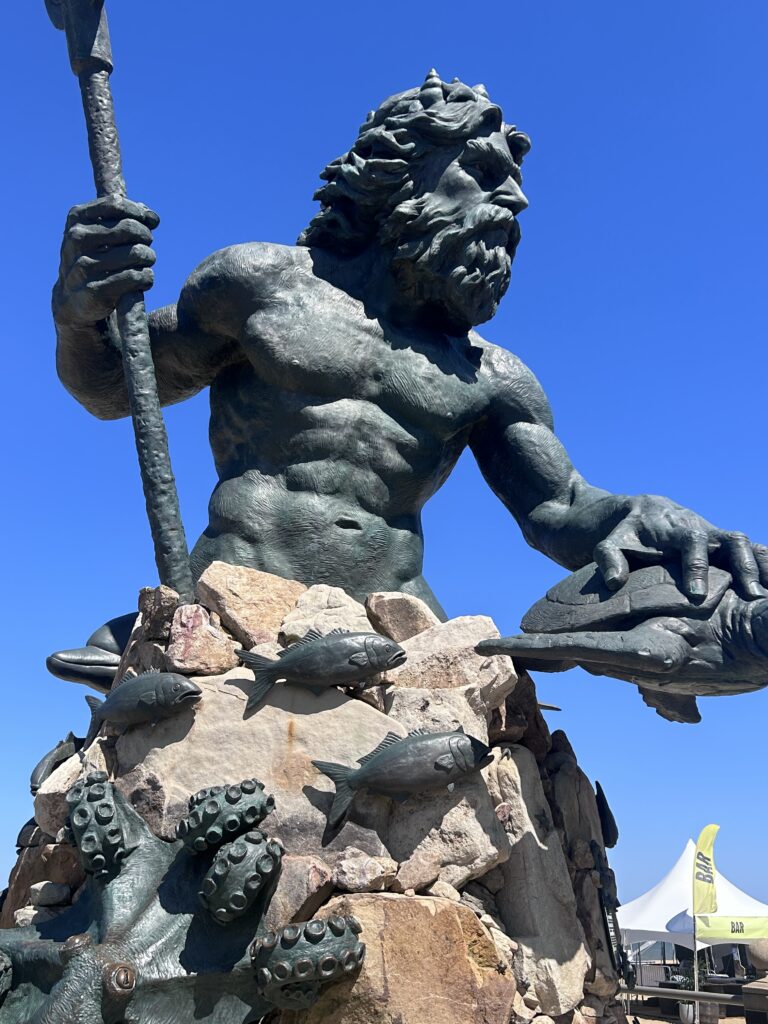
329,435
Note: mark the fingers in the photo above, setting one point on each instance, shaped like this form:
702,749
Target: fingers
761,557
122,257
611,562
82,238
743,563
109,291
111,208
694,551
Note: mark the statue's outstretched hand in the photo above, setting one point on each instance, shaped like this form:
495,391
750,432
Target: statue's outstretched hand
106,253
658,527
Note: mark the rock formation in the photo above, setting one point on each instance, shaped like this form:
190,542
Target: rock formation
480,904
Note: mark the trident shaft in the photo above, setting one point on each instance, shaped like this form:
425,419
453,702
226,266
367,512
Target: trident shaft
90,55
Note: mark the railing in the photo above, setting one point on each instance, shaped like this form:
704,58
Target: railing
684,995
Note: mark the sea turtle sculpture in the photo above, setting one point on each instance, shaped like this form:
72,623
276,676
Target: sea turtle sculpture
649,633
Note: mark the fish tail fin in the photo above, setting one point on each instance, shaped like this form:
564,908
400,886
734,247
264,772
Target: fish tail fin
95,705
340,775
264,672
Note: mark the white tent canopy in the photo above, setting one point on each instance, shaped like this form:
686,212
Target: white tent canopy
663,914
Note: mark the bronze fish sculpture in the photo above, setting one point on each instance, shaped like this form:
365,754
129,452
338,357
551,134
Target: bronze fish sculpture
316,662
399,767
48,764
147,698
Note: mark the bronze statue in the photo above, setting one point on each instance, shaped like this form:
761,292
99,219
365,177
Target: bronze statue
316,662
649,633
345,373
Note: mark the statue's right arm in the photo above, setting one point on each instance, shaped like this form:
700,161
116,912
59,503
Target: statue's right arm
105,254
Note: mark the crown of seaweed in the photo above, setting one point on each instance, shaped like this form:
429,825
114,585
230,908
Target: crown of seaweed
368,188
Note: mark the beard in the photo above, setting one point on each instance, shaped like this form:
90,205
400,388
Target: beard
458,272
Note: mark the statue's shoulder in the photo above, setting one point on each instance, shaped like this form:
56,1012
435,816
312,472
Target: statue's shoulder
254,264
234,282
514,392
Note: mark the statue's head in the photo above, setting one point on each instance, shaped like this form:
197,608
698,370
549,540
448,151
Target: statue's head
433,179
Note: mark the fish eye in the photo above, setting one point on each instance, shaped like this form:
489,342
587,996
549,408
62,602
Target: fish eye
176,687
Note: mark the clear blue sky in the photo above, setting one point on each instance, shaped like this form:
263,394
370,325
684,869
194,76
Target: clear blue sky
638,298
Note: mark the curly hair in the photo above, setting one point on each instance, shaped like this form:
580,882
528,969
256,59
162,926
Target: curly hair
370,190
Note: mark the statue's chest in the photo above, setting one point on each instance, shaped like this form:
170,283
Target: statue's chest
324,345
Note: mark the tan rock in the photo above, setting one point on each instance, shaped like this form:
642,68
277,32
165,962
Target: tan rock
439,710
460,829
417,873
443,890
305,883
537,903
157,606
357,871
33,915
51,808
52,862
323,608
444,657
399,616
250,603
428,960
158,768
198,646
49,894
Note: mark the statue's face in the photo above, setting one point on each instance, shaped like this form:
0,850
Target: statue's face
456,256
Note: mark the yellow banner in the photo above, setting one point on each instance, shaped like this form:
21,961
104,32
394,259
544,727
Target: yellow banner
731,929
704,898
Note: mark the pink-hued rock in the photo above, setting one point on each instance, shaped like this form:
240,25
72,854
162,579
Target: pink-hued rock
198,645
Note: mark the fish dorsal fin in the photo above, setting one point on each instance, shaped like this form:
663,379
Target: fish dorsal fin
389,741
337,631
131,679
419,732
460,729
94,703
308,638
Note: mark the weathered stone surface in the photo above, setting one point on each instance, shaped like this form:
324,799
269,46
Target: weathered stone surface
31,834
431,961
198,645
305,884
49,894
537,903
53,862
33,915
357,871
460,829
323,608
157,606
399,616
601,980
523,703
444,657
51,807
158,768
250,603
438,710
444,890
417,873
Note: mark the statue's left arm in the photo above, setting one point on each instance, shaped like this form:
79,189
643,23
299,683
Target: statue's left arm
575,523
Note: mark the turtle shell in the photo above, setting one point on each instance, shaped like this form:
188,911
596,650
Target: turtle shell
583,601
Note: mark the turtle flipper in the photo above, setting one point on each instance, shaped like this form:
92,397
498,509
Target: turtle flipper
675,707
642,650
